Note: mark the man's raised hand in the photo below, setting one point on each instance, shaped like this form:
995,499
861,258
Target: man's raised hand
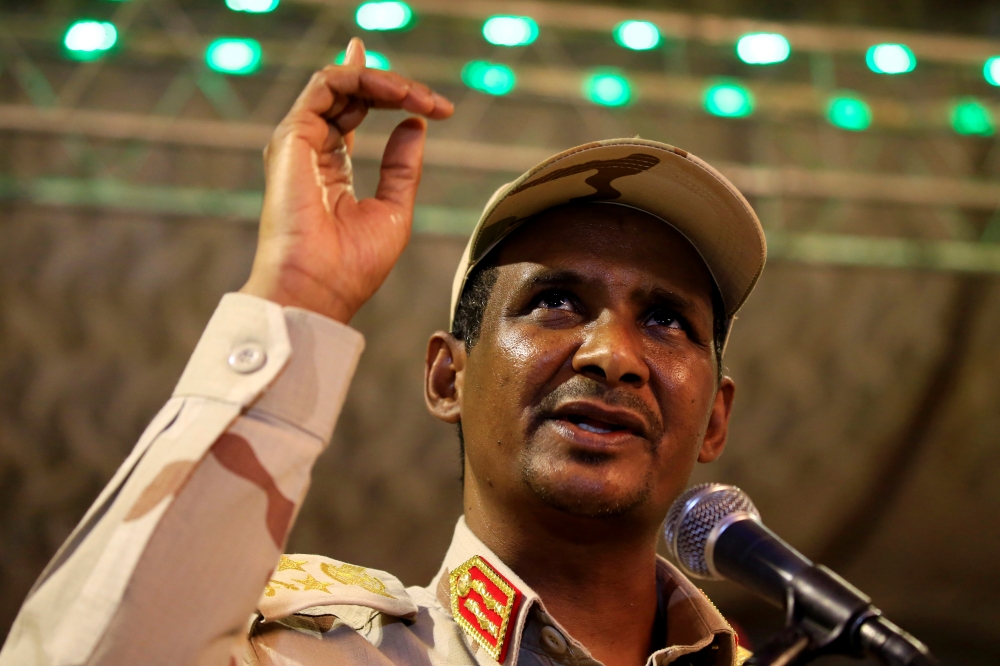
320,248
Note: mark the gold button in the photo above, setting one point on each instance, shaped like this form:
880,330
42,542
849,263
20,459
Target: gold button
553,641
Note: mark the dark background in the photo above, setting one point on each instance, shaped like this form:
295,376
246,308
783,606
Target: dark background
868,404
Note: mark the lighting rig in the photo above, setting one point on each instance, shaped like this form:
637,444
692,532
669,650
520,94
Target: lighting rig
240,56
824,127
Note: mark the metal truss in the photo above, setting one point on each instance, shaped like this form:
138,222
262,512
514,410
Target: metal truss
753,180
783,156
709,28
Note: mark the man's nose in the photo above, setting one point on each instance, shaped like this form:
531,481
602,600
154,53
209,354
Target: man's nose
612,352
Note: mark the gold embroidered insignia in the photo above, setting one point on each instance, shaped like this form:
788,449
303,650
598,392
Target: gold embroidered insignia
483,603
311,583
269,590
286,563
352,574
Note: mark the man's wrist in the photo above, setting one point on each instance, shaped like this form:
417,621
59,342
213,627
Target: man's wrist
290,363
322,302
312,387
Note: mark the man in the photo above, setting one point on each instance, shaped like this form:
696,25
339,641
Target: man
583,370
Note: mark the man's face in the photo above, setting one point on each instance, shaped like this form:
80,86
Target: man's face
593,383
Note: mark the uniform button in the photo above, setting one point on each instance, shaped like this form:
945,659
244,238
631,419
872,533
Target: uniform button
247,358
553,641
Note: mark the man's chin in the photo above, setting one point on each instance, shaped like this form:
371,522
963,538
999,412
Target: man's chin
583,495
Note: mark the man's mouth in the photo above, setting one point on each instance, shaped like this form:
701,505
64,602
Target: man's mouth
608,423
594,425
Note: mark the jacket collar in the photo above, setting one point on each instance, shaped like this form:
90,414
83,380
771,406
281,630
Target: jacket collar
500,614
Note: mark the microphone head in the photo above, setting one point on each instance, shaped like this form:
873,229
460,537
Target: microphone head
690,526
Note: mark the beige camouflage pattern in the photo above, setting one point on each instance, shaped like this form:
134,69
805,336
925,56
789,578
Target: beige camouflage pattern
311,625
179,561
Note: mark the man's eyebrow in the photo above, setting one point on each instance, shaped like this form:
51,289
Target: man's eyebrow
661,296
554,277
655,295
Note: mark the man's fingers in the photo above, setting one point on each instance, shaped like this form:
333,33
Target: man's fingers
351,116
336,100
385,90
330,90
443,108
402,163
355,54
436,107
348,120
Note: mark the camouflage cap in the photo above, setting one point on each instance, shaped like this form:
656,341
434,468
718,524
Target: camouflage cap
664,181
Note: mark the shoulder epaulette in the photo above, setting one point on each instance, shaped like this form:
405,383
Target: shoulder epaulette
304,581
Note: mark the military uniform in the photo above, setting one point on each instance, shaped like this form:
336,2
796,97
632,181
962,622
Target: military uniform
475,612
170,562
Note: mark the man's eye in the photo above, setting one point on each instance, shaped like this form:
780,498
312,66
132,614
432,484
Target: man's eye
664,317
554,300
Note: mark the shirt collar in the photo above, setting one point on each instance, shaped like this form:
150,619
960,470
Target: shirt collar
693,622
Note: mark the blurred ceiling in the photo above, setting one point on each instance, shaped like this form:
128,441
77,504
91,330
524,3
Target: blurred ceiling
867,416
117,117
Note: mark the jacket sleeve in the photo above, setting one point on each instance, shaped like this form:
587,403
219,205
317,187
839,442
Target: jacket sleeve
167,565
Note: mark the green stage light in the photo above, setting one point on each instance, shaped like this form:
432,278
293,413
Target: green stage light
384,15
252,6
970,117
637,35
991,70
233,55
890,59
488,77
849,113
730,100
373,60
607,89
87,40
510,30
763,48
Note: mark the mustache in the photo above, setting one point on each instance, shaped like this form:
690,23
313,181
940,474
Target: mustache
580,387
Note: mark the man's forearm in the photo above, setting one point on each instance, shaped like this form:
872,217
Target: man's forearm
167,566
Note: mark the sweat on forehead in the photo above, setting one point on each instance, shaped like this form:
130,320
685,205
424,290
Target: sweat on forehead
585,245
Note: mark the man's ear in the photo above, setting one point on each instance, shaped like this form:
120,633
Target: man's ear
718,422
444,370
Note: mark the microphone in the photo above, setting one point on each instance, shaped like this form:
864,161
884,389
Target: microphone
714,531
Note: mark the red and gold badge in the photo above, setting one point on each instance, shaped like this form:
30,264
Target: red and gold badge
484,603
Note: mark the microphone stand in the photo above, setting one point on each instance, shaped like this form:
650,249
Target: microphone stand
826,615
788,647
792,647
